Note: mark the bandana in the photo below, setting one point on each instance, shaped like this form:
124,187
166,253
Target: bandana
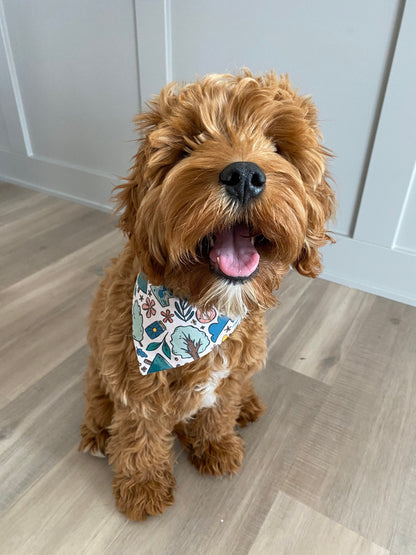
169,332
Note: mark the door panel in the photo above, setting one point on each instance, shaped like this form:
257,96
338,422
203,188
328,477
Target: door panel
70,93
76,66
406,232
387,195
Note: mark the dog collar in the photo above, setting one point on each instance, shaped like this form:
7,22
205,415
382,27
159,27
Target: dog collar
169,332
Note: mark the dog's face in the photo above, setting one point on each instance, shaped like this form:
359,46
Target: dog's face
228,190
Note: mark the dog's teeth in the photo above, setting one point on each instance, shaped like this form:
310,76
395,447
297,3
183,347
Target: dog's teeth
252,240
218,260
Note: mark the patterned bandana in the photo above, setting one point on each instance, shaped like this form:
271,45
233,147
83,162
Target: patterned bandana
169,332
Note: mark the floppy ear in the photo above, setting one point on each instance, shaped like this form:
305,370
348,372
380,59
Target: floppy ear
321,208
129,195
301,141
137,201
149,239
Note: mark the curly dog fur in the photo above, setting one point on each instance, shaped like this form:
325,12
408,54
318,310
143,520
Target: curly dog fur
173,205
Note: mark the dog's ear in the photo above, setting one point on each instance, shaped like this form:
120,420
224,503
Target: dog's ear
128,195
149,238
138,204
296,131
321,208
320,196
137,198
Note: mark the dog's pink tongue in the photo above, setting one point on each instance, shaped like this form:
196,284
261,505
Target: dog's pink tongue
234,253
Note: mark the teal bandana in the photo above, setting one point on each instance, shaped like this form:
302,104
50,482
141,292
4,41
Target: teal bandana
169,332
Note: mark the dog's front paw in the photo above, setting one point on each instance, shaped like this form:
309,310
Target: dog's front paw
250,411
221,457
140,500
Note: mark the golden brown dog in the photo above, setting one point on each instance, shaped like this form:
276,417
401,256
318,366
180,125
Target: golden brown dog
227,191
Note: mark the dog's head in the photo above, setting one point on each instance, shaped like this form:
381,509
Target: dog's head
228,190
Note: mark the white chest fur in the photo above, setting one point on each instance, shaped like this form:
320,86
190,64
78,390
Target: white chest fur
207,389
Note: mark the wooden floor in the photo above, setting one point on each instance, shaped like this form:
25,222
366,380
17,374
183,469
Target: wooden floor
330,469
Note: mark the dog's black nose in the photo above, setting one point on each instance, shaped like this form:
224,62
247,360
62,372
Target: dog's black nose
243,180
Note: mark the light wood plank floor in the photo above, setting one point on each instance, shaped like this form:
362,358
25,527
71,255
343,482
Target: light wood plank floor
330,469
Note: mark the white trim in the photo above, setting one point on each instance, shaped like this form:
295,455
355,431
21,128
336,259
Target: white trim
404,250
136,46
154,46
349,281
404,207
86,188
14,81
167,12
57,194
63,164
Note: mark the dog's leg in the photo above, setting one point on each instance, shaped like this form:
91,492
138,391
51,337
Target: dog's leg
210,437
251,405
140,451
98,414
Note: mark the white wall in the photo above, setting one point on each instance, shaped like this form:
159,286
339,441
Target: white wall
74,73
68,93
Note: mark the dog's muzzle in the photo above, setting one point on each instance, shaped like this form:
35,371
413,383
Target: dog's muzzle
243,181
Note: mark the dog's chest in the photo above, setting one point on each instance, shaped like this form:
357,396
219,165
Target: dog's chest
205,393
208,389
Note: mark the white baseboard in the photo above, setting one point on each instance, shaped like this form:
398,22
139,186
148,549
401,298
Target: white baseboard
385,272
55,193
71,183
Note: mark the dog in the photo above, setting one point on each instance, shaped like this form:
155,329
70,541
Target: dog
228,191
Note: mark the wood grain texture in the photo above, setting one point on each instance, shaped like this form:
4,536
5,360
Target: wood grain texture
329,469
296,528
320,330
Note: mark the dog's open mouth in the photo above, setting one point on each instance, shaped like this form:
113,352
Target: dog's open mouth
232,252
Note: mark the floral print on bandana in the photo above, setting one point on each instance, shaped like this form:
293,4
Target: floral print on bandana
169,332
